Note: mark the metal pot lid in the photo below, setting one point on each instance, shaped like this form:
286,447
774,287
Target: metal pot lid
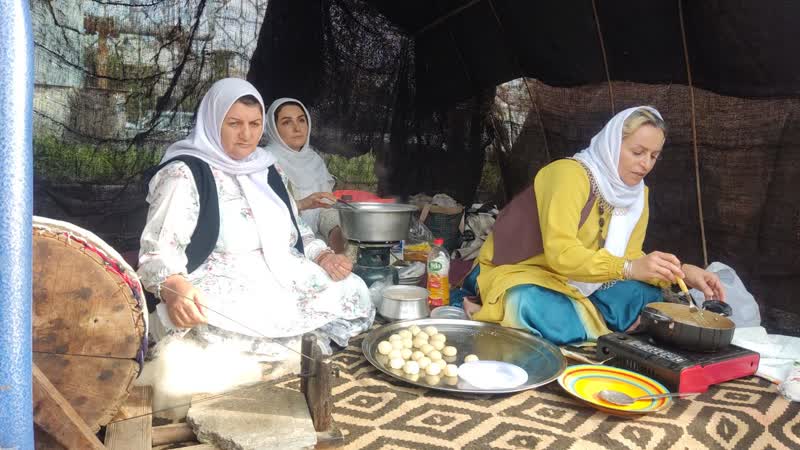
694,317
376,207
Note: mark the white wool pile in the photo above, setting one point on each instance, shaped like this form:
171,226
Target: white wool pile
181,368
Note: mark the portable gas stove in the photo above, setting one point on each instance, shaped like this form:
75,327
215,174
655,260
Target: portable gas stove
679,370
373,262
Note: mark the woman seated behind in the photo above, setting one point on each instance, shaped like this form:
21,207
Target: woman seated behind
310,183
266,279
585,274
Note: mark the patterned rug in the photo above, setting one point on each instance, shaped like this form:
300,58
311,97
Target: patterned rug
375,411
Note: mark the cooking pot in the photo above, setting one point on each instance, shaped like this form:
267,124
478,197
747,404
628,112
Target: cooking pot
375,222
404,303
688,328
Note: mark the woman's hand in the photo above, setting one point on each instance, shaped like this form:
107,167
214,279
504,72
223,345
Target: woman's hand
706,282
656,265
338,267
316,200
183,312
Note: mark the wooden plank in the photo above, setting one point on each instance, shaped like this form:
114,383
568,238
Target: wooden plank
54,415
95,387
173,433
316,384
134,433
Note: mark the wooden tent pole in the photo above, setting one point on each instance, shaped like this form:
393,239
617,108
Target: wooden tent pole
605,57
694,137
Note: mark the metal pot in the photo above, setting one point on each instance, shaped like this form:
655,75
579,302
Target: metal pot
375,222
404,303
687,328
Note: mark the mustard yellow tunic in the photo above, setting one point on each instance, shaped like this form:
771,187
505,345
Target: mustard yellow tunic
562,189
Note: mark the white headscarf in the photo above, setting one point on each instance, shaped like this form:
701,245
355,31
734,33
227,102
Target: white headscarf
602,160
271,215
305,168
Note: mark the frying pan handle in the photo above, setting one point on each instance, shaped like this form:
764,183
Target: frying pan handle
654,314
718,307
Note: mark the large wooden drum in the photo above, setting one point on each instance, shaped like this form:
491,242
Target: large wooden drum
89,319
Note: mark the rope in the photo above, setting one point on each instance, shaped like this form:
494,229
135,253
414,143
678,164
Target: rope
605,58
694,137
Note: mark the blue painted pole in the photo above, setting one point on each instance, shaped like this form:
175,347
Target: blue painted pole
16,195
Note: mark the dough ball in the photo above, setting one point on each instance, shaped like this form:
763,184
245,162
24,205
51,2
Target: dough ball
405,353
438,345
438,337
424,362
411,376
449,351
407,343
397,344
452,381
414,330
382,359
396,363
449,359
427,349
433,380
384,347
415,356
435,355
441,363
470,358
422,335
430,330
395,337
405,334
433,369
451,370
395,353
411,367
417,343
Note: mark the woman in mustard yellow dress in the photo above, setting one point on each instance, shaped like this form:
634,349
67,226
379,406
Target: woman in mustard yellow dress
565,258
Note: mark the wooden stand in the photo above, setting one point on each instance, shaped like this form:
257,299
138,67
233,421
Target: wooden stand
315,384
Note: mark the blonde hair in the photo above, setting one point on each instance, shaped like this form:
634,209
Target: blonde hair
641,117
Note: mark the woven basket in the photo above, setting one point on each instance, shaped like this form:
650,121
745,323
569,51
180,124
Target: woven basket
445,223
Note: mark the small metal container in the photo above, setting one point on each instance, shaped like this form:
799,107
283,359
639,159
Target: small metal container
404,303
375,222
448,312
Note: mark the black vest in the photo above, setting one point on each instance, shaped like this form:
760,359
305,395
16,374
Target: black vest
206,232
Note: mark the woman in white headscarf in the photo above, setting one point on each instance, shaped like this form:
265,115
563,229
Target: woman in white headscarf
310,183
565,258
265,277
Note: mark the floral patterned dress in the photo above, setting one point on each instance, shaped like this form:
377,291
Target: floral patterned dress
245,302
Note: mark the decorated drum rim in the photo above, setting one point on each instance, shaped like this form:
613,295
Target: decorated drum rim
114,262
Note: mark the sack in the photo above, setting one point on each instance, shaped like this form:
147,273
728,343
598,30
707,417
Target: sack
745,309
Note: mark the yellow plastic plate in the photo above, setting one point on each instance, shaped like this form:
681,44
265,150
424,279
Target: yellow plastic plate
586,381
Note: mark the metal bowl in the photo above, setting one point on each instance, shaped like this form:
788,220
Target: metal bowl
404,303
448,312
375,222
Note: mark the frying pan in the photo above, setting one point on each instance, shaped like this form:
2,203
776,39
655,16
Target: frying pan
688,328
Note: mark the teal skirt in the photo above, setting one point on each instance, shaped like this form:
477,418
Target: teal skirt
552,315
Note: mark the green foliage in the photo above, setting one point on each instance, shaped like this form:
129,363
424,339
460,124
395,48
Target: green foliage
83,163
358,170
491,177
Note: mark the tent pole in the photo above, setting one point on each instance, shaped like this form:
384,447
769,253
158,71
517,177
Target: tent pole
605,58
694,137
16,193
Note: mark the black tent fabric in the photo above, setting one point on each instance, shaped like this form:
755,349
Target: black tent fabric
414,81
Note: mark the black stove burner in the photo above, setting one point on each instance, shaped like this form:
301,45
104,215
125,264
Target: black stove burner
373,262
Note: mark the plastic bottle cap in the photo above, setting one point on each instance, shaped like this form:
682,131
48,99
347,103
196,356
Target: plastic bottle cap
438,241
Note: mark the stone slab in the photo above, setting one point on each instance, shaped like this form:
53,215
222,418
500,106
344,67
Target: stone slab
254,418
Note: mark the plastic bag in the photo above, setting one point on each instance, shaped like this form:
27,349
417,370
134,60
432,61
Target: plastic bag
745,309
418,232
376,290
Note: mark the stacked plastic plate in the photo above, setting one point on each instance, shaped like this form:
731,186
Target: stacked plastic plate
410,273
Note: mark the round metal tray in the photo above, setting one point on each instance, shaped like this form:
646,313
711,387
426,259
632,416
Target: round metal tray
542,360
